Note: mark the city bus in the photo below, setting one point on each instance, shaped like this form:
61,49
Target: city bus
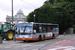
36,31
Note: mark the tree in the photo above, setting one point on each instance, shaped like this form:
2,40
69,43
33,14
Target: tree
70,0
47,14
64,19
30,17
70,7
52,1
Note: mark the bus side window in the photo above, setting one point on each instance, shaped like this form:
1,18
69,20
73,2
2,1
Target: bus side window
44,28
55,29
49,29
40,29
36,27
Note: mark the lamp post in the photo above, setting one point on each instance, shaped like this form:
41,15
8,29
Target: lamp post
34,18
12,11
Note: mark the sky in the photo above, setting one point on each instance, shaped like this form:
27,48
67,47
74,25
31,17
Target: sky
26,6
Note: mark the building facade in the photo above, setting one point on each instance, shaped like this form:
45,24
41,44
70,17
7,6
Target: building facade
19,17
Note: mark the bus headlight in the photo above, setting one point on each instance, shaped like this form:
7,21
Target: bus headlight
31,36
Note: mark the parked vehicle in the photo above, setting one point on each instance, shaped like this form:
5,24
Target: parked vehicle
7,31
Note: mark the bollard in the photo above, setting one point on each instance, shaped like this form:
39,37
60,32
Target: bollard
64,33
0,40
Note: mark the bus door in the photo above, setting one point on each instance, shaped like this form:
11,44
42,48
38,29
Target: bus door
35,30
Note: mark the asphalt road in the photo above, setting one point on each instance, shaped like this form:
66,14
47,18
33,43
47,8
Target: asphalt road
36,45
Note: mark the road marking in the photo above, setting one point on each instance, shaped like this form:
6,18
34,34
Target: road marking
8,47
30,49
63,47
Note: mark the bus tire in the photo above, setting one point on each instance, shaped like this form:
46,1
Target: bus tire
9,35
40,38
53,37
2,38
24,40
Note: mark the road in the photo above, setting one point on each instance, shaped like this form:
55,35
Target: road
36,45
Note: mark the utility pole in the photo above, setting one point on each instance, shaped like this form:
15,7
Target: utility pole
34,18
12,11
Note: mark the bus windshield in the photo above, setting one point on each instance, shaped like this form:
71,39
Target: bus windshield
28,29
26,26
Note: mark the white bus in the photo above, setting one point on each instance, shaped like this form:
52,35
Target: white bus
36,31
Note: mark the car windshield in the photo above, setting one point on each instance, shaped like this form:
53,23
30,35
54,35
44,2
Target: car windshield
27,27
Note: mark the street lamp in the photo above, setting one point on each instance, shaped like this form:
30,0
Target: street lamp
12,11
34,18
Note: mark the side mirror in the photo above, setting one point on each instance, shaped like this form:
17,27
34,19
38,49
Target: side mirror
34,31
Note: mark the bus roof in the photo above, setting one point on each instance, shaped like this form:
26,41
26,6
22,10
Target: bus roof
46,23
40,23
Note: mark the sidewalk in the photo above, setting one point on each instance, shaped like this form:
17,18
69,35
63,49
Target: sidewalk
63,45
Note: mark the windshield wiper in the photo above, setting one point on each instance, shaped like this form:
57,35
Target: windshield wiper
24,29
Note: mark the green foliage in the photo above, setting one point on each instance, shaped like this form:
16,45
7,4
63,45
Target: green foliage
70,0
69,6
30,17
54,11
71,9
52,1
